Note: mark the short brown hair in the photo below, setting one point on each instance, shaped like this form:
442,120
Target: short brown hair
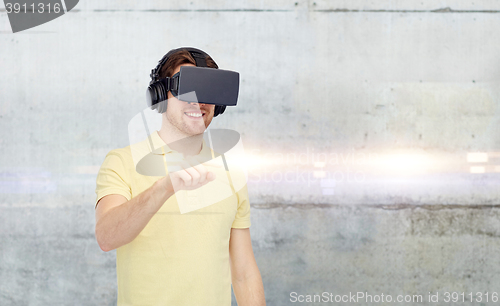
179,58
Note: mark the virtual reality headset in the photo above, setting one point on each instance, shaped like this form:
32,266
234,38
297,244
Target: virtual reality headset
198,85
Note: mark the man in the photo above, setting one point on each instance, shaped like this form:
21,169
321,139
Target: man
165,257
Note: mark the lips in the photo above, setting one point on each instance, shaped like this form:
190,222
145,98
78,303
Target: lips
197,114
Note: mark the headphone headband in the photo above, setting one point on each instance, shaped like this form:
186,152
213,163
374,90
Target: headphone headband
198,55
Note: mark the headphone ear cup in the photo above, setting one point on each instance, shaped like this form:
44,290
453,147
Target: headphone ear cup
158,96
163,96
219,109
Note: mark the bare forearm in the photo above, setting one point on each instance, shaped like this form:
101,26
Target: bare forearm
249,291
121,224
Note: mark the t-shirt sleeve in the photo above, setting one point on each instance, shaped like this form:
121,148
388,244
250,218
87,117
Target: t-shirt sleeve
113,178
242,219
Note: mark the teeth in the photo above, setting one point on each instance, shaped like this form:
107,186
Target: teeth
194,114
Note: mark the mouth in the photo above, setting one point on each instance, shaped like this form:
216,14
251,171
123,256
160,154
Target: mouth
194,115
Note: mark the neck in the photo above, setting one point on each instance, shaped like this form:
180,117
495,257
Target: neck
188,145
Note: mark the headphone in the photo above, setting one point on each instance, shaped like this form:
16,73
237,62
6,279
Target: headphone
158,93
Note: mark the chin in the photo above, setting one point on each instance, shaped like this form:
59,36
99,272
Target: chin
197,131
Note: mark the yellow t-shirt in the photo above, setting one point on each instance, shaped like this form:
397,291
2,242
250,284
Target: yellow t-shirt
177,259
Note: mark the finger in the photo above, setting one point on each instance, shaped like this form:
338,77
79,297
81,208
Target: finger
206,175
201,166
181,176
197,164
202,171
210,176
195,176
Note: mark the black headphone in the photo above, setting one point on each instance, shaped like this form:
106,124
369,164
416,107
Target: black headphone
157,93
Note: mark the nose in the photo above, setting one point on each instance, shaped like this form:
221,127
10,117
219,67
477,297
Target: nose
196,103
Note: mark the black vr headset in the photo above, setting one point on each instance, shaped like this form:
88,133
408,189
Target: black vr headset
198,84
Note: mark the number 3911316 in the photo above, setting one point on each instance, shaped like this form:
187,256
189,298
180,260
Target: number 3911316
18,8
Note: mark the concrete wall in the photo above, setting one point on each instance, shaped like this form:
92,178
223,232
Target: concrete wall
358,118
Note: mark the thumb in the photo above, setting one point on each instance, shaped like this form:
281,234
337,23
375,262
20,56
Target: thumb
210,176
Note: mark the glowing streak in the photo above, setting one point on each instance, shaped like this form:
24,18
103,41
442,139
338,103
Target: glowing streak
477,157
404,164
477,169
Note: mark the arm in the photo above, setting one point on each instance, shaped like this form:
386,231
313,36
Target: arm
245,275
119,221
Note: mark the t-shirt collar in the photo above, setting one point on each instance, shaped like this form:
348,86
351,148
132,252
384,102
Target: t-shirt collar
161,148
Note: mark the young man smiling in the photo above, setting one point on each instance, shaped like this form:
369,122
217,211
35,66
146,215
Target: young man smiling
165,257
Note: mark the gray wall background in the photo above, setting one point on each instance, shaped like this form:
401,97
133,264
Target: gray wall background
349,79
